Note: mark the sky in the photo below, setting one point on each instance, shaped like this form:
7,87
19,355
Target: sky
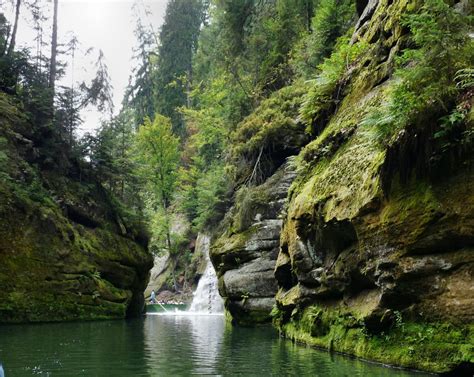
102,24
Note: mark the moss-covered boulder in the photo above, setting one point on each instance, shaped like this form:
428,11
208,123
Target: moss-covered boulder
66,251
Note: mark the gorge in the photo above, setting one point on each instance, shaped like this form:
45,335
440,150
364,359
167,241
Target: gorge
306,165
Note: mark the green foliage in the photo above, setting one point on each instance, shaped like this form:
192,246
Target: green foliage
448,122
140,91
156,151
160,221
215,86
431,72
178,41
207,133
251,41
242,58
249,201
324,95
157,154
465,78
210,188
110,153
271,32
332,19
268,135
203,181
4,30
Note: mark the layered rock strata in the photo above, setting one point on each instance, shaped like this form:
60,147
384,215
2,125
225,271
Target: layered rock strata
245,257
377,249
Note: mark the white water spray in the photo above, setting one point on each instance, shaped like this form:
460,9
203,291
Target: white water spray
206,297
206,300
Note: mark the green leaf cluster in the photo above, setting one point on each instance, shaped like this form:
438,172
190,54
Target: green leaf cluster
431,73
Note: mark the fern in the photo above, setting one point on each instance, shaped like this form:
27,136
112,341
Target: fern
464,78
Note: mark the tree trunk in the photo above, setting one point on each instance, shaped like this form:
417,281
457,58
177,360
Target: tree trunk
11,46
54,47
3,50
123,159
309,15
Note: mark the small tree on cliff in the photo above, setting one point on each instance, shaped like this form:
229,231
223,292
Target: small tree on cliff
157,151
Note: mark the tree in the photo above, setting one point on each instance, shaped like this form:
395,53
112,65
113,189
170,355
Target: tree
70,101
99,91
11,45
331,20
4,28
38,19
54,48
178,37
139,93
158,155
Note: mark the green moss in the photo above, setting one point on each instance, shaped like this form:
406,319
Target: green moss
413,199
9,112
228,251
54,268
345,182
324,95
435,347
249,201
272,131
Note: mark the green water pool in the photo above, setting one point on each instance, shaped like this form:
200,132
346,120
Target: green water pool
168,346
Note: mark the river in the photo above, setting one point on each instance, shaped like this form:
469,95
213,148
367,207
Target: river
167,346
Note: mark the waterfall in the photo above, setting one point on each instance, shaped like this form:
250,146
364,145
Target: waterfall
206,297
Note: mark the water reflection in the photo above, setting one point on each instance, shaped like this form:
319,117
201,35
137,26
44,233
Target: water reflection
167,346
183,343
207,336
260,352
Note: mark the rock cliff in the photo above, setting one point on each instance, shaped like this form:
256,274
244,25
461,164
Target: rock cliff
245,257
66,251
376,245
376,254
245,246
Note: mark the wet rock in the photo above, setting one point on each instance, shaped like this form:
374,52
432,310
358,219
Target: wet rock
245,260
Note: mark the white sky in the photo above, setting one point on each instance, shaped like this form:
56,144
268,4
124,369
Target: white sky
102,24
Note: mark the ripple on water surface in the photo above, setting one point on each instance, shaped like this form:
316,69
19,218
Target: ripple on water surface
167,346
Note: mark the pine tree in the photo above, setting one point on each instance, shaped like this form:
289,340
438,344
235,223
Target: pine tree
139,93
11,46
54,48
178,38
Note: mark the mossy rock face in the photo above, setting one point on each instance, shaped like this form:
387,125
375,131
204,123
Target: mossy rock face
244,255
58,263
435,346
376,257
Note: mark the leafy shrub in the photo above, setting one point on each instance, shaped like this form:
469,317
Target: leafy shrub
430,73
332,19
323,96
270,134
